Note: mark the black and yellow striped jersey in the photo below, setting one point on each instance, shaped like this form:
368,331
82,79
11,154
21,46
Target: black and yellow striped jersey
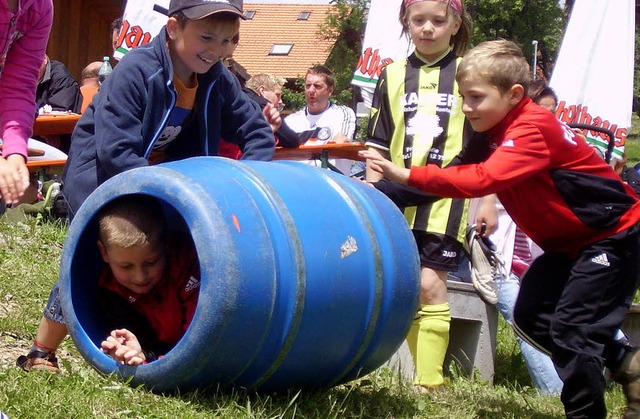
416,117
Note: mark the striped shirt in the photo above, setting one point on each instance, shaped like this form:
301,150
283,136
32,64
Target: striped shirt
417,118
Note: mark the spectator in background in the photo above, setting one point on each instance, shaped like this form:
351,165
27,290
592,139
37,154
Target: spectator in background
57,91
89,84
24,33
322,121
541,93
266,88
233,66
57,88
115,32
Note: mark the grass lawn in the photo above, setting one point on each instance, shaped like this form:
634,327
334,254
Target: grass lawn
632,145
29,258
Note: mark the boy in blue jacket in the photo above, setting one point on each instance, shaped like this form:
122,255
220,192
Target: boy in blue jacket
167,100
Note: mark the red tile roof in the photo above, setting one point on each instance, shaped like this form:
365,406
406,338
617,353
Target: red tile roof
279,24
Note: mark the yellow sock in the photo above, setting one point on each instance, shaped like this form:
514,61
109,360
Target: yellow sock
428,340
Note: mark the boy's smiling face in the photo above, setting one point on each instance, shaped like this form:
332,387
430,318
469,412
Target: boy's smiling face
137,268
199,44
484,104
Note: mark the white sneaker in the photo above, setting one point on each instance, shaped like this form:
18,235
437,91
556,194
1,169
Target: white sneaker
485,264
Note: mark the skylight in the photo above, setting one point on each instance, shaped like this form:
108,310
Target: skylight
280,49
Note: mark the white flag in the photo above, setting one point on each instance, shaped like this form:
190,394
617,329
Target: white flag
383,44
593,75
142,20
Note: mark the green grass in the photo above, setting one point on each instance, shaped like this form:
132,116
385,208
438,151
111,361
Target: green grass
632,145
29,258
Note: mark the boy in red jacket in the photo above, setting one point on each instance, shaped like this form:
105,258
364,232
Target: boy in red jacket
148,289
571,203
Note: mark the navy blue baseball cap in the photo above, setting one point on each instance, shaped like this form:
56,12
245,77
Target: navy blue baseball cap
197,9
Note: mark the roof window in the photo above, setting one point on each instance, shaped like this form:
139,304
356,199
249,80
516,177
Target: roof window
280,49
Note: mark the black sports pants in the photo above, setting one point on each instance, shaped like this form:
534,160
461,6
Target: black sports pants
572,308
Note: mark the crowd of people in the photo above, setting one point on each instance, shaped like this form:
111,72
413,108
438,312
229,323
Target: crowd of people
479,129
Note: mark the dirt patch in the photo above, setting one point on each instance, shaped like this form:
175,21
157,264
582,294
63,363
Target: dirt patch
11,348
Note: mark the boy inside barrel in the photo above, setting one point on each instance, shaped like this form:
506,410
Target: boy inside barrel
148,289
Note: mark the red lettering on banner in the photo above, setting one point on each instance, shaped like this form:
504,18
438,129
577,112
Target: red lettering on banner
370,63
132,36
580,114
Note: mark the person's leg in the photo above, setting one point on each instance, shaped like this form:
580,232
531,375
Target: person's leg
590,309
541,370
428,338
51,332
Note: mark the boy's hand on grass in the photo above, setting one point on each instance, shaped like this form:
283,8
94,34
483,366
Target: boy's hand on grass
14,178
124,347
381,165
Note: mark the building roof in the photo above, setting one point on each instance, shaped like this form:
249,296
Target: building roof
281,24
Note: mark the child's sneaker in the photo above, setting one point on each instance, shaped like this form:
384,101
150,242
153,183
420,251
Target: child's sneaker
485,265
38,361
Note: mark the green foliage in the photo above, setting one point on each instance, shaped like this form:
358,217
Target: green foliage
521,21
294,98
345,23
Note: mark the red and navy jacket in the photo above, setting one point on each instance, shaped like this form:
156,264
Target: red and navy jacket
160,317
550,181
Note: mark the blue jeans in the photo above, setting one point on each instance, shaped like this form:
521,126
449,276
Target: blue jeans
53,309
541,370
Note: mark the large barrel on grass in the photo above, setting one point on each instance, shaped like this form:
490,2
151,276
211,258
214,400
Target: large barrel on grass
309,278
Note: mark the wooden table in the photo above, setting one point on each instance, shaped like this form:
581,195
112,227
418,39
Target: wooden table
324,152
57,123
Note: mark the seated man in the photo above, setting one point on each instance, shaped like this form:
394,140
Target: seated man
89,84
57,88
265,89
322,121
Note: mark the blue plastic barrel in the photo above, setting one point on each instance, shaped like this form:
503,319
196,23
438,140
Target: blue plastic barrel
309,278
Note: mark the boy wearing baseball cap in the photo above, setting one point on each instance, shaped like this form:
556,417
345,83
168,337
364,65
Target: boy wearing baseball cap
167,100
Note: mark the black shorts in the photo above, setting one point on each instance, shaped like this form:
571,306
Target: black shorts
438,251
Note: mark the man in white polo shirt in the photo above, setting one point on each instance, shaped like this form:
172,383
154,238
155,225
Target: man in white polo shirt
322,121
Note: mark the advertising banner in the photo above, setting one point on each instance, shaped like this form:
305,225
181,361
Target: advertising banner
383,44
142,20
593,75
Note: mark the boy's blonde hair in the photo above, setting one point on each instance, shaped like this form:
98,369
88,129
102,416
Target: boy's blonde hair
269,81
460,41
500,62
132,220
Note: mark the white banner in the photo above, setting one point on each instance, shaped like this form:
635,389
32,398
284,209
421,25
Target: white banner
593,75
383,44
142,20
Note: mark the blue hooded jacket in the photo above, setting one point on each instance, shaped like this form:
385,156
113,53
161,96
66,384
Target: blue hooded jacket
129,113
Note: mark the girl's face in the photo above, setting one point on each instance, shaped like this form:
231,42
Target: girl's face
198,45
432,25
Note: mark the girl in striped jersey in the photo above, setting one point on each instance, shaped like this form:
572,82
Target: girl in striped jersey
416,119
